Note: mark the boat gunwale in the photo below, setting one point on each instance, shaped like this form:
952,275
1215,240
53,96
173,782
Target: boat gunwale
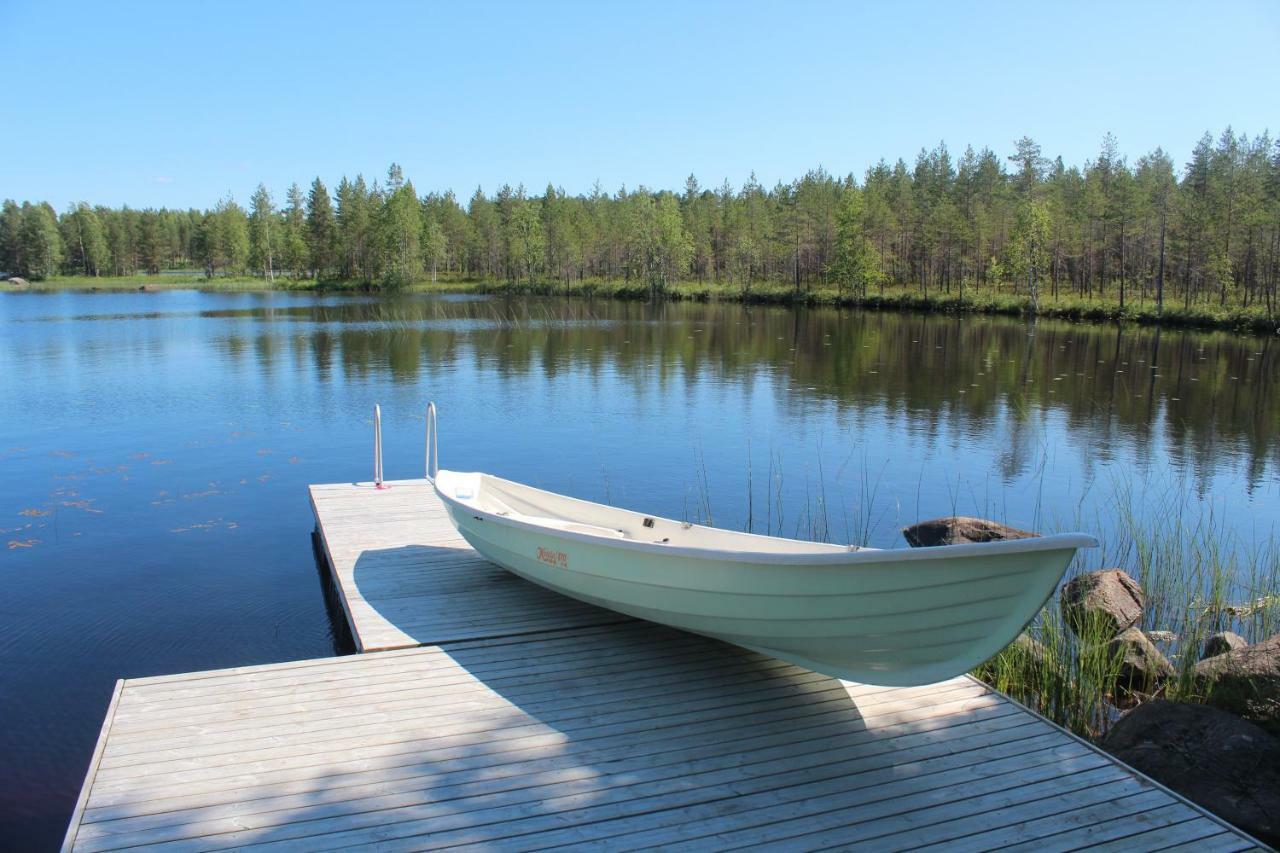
851,557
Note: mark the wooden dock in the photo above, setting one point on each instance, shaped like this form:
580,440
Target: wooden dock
498,715
406,578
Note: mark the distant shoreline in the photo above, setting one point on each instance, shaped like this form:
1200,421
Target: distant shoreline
891,298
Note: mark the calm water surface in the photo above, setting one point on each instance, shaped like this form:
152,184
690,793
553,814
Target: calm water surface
155,451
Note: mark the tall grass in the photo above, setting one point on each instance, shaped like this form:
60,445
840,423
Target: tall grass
1198,577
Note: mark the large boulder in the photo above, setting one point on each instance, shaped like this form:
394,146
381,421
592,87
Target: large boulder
1100,605
1142,666
1221,643
1224,763
1245,681
959,529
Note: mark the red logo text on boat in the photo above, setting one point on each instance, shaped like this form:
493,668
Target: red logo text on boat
558,559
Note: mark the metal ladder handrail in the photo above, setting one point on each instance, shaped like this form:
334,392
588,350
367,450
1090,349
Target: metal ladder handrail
433,446
377,447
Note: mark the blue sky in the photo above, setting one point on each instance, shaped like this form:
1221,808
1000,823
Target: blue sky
177,104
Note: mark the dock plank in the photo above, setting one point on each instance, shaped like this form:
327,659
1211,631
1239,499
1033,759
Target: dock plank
496,714
407,579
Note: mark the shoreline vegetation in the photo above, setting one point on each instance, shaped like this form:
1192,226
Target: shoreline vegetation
975,300
1192,577
1021,233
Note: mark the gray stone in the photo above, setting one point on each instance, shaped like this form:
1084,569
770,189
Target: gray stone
1105,602
959,529
1142,666
1246,682
1221,643
1226,764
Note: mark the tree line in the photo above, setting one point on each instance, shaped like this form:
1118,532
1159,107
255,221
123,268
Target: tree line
1205,233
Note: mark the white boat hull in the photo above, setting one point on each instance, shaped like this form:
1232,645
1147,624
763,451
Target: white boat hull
881,617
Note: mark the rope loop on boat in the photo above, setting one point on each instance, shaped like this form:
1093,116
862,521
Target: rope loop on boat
433,449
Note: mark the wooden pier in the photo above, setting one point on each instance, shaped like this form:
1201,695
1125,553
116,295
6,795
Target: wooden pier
486,712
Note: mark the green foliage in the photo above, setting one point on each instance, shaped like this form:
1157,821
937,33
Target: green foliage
32,241
294,254
400,226
1026,255
85,240
657,250
322,233
1135,240
222,241
262,240
1198,580
856,265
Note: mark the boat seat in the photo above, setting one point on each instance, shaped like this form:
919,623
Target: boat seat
565,524
573,526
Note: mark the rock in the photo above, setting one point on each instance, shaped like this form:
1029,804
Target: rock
18,281
1029,653
1108,602
1221,643
1142,666
958,529
1025,644
1246,681
1161,636
1225,764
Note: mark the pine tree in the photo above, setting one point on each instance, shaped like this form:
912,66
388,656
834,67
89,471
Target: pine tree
322,236
294,254
10,242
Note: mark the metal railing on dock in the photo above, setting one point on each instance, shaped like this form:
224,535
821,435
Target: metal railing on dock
377,447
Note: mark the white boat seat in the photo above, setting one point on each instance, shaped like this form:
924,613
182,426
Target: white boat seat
571,526
562,524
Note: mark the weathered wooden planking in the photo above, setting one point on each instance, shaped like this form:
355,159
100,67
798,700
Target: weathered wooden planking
625,736
407,579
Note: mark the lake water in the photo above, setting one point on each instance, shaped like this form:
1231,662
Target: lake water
155,450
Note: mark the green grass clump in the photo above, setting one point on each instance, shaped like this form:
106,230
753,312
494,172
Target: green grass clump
1198,580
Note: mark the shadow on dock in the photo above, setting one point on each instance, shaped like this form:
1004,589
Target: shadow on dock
432,594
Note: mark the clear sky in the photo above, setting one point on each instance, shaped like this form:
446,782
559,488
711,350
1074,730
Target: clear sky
178,104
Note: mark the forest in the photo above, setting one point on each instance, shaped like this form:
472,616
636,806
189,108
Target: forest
1205,233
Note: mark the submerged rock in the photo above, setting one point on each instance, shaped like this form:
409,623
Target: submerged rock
1107,602
1221,643
1213,758
1142,666
1246,681
958,529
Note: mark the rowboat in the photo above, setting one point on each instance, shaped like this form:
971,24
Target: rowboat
888,617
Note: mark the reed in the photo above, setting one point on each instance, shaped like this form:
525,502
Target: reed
1199,578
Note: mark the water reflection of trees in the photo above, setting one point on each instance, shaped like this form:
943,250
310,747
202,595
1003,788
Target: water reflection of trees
1203,394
